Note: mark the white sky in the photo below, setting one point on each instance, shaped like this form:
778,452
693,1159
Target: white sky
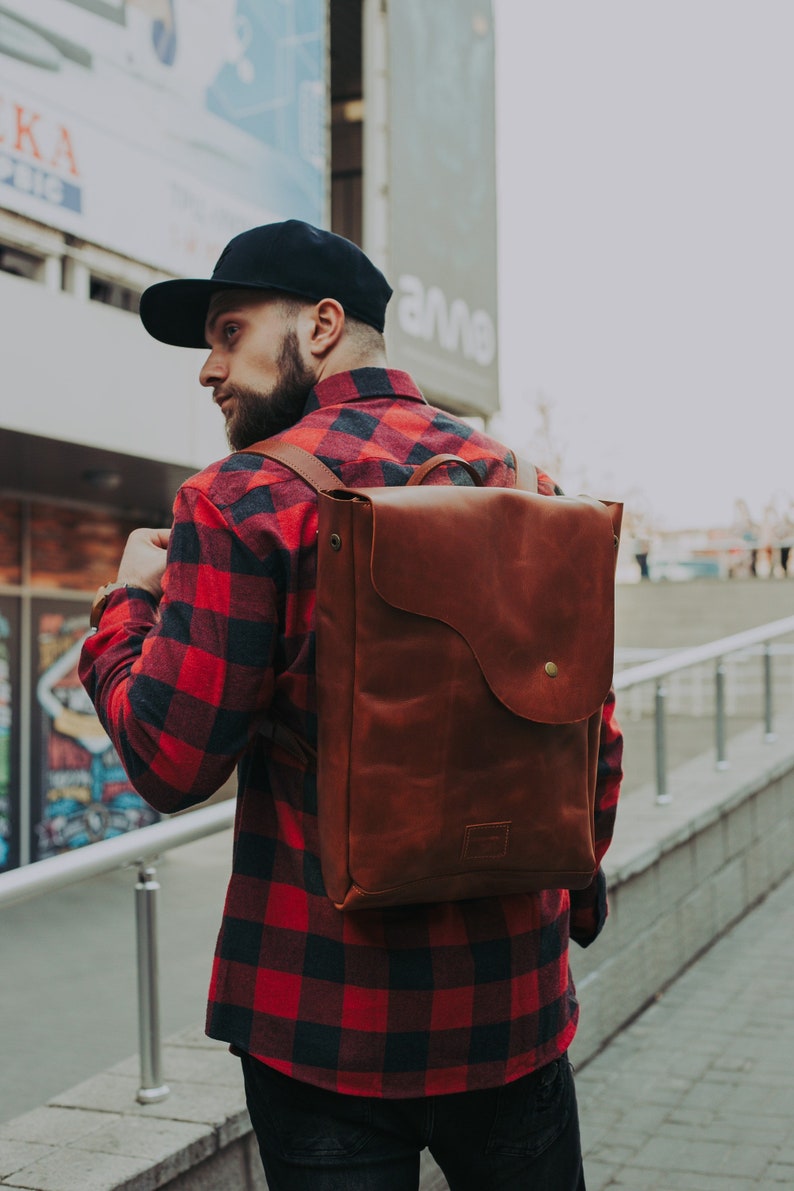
646,250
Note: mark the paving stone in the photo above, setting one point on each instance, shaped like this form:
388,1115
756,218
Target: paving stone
196,1036
702,1157
155,1140
698,1093
432,1178
600,1175
235,1169
786,1153
53,1126
73,1170
216,1106
638,1180
16,1155
770,1132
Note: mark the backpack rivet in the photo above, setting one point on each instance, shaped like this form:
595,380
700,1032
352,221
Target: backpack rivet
551,669
335,541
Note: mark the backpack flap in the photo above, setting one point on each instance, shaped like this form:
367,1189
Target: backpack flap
526,580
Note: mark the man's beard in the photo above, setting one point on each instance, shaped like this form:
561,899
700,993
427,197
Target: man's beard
260,414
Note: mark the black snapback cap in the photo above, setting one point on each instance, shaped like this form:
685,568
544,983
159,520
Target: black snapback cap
293,257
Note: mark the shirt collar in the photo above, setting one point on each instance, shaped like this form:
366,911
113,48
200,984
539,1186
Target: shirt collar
362,384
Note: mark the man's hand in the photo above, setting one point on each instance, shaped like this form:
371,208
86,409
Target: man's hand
143,561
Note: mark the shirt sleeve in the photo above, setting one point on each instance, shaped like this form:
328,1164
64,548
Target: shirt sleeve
589,905
182,690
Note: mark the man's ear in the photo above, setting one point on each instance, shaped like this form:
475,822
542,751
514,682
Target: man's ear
327,323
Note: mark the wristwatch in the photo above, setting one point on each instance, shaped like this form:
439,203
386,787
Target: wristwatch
100,601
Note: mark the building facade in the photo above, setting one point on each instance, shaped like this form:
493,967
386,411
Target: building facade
137,137
135,140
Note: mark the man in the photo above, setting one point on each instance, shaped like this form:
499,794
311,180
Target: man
364,1036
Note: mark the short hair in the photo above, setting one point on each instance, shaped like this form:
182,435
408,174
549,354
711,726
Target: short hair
291,304
364,337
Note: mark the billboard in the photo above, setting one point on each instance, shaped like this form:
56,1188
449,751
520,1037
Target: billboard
442,192
160,128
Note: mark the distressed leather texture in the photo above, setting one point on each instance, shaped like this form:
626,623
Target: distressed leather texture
465,640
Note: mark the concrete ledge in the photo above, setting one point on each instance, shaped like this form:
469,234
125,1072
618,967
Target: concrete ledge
679,876
96,1136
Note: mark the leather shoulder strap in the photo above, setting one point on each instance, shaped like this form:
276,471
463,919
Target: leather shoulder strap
526,474
316,474
322,479
439,461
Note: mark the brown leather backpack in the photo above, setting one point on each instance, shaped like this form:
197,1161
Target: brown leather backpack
465,641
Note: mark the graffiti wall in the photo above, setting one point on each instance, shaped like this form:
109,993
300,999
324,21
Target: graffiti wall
85,795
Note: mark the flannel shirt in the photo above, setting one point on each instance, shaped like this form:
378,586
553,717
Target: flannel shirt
409,1002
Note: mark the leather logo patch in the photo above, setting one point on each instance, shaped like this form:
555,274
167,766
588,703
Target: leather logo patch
485,841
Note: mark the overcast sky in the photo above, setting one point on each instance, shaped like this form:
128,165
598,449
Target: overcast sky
646,250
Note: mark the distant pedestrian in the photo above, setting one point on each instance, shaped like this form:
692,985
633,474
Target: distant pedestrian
786,537
638,539
642,547
768,539
745,530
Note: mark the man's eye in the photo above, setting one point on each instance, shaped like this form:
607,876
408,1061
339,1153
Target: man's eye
229,330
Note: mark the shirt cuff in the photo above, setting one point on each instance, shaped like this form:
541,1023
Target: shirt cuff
589,910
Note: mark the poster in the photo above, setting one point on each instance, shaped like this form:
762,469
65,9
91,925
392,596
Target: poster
84,793
161,128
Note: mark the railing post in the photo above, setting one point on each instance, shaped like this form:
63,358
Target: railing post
719,682
152,1087
662,796
770,734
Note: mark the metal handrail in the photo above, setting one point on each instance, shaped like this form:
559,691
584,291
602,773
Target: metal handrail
682,659
107,855
142,846
139,848
659,669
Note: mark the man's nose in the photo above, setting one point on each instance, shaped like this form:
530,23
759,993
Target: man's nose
213,371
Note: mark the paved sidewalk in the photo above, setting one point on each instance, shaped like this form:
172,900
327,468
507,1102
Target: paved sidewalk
698,1094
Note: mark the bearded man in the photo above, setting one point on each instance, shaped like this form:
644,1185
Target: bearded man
363,1037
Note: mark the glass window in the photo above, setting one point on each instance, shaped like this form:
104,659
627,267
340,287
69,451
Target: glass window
21,264
10,541
75,548
113,294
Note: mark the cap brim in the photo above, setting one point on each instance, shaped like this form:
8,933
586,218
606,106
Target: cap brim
175,312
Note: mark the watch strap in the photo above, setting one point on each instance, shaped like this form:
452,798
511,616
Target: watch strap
100,602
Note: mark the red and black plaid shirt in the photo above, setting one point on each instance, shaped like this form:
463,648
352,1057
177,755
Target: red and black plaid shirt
406,1002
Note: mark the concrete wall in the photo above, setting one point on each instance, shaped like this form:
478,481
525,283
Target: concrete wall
679,875
89,373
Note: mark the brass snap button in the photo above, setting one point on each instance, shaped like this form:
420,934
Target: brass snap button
551,669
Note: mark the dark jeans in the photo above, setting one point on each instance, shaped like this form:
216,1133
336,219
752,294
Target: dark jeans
522,1136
